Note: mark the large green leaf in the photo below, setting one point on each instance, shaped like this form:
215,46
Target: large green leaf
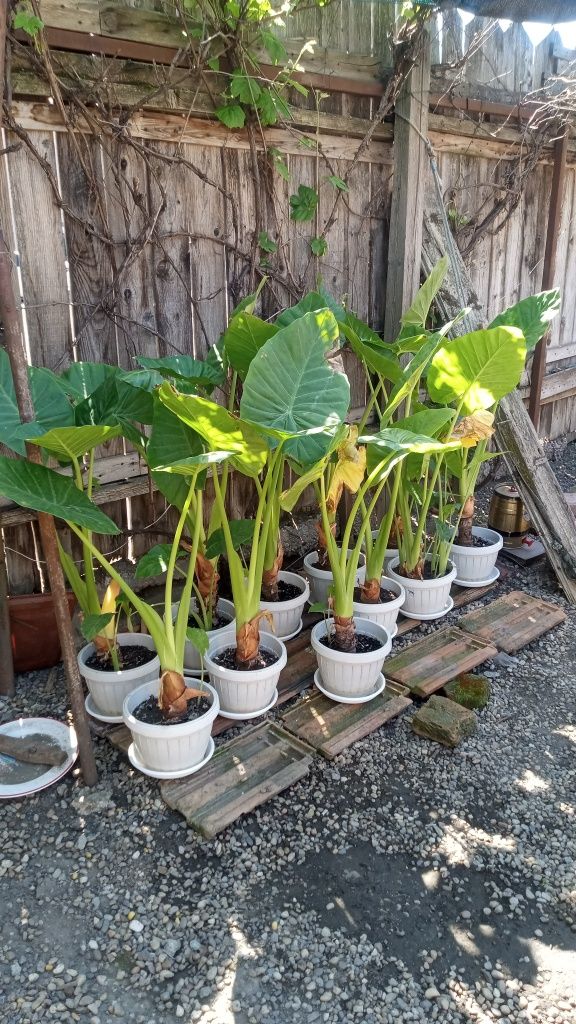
531,315
155,561
195,372
116,401
478,369
392,442
292,495
428,421
51,404
291,387
193,465
216,358
365,343
312,302
420,308
241,531
220,429
9,415
245,336
171,438
409,380
44,490
81,379
72,442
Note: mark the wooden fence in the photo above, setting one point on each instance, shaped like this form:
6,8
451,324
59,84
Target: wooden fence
97,295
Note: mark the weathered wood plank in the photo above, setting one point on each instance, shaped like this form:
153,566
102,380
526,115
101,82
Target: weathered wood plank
513,621
242,775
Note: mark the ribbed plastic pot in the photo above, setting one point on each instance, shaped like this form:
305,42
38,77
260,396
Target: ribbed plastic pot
424,597
321,579
286,615
386,613
192,660
474,564
110,689
350,675
245,692
165,748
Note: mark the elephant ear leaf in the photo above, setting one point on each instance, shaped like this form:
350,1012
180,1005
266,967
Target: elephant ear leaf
37,487
291,388
532,316
417,315
243,338
476,370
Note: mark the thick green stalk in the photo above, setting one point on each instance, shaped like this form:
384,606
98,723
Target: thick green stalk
173,556
375,561
237,578
181,624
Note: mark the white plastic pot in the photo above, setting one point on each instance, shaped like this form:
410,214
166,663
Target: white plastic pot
286,615
321,579
110,689
345,674
165,748
426,598
192,660
476,564
245,692
384,614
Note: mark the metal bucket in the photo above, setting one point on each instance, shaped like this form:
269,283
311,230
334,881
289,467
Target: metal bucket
506,514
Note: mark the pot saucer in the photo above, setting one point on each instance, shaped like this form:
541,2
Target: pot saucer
290,636
243,716
379,688
95,713
154,774
494,575
430,616
394,632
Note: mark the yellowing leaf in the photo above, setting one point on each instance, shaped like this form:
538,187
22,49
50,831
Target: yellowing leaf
349,471
109,608
479,426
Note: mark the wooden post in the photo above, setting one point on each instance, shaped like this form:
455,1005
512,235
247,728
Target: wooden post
410,176
14,343
549,270
515,434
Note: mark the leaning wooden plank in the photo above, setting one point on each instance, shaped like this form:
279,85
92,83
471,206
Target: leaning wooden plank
330,727
243,774
515,433
34,751
513,621
436,659
120,737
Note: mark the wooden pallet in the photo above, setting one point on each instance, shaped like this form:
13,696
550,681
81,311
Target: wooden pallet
425,666
243,774
330,727
513,621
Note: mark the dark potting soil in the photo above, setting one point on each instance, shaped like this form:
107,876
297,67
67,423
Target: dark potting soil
130,656
479,542
286,591
218,620
149,712
385,596
364,643
227,659
428,574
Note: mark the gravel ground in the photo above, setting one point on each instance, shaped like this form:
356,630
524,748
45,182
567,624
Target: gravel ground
401,882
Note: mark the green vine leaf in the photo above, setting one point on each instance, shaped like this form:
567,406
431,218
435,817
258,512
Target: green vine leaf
338,183
303,204
319,246
280,166
232,115
271,106
307,142
27,21
297,86
266,243
274,48
214,63
244,88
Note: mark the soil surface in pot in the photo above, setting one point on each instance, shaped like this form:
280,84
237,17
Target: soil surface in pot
227,659
131,656
477,542
149,712
385,596
428,574
286,591
218,620
364,643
